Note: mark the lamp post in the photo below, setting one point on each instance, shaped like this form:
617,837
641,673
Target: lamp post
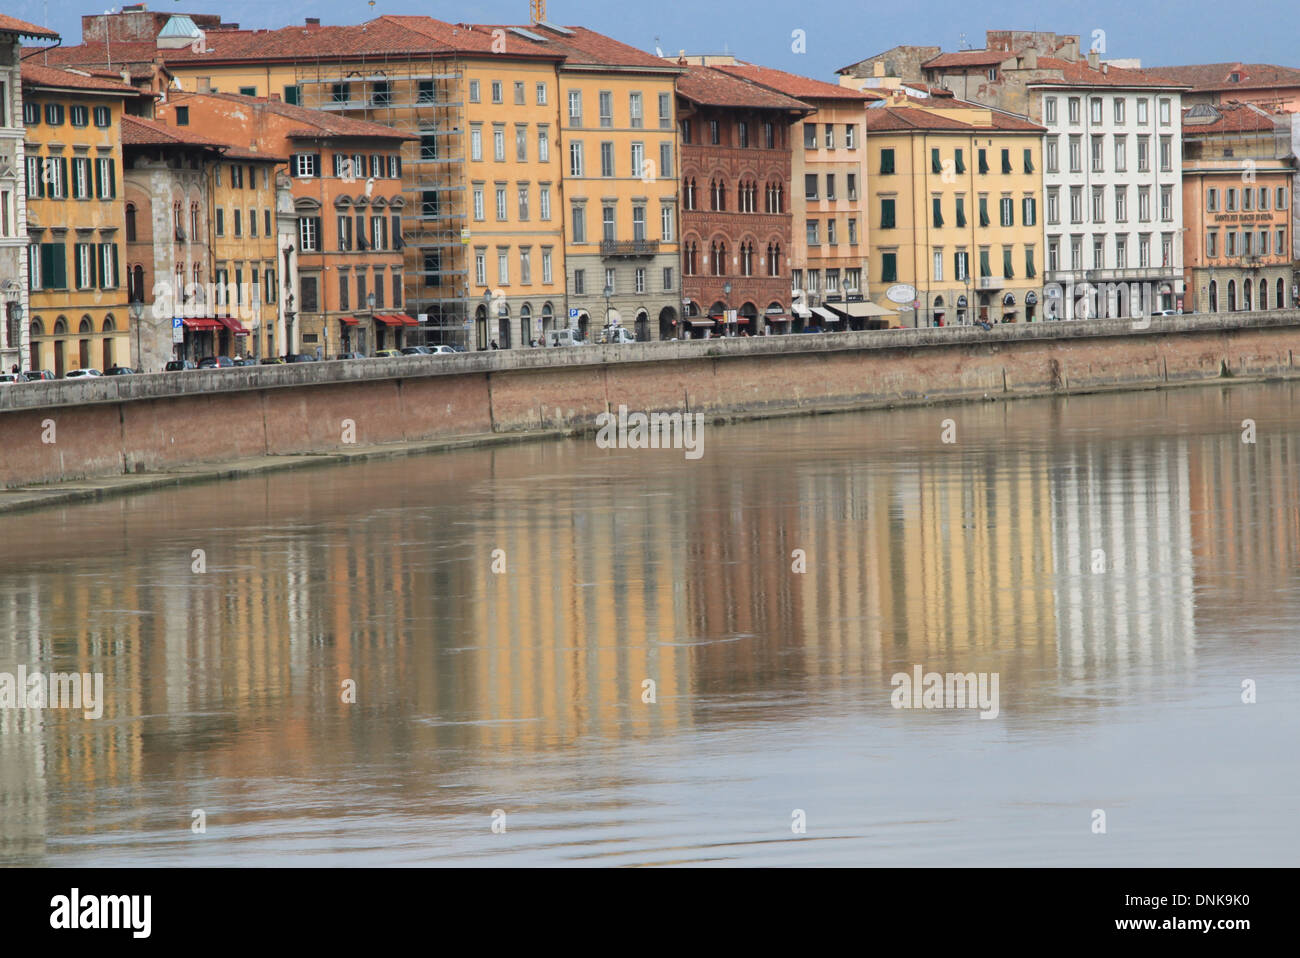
370,304
726,303
136,309
15,316
609,294
481,334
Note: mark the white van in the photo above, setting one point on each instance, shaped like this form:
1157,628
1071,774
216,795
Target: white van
564,337
617,334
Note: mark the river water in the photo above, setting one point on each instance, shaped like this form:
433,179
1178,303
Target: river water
1126,565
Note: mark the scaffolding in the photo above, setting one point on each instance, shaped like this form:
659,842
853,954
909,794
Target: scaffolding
424,96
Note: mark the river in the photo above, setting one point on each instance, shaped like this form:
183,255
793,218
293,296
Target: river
1126,565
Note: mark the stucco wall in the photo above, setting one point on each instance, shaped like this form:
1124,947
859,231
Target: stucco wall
142,423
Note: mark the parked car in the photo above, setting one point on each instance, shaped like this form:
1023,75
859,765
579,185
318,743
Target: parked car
216,362
86,373
350,356
301,358
177,365
564,337
273,361
387,354
416,351
246,362
812,329
37,375
458,348
444,350
1168,312
120,371
7,378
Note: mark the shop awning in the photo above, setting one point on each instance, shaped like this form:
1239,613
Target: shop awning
826,314
201,325
234,326
700,322
860,310
778,318
349,320
803,312
396,319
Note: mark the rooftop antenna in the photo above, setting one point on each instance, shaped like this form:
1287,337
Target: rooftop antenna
658,52
538,8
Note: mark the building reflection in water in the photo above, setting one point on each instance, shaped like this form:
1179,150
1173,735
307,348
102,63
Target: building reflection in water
619,567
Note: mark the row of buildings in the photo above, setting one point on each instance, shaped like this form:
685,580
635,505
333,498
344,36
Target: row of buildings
338,189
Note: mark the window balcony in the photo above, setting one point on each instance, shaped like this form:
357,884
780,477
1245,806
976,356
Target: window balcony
629,248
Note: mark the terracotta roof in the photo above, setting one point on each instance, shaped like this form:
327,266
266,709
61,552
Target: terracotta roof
96,55
1228,118
1079,73
792,84
138,131
1215,76
317,124
898,118
969,58
710,86
10,24
581,47
36,75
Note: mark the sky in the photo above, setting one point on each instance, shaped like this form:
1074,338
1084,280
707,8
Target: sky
835,32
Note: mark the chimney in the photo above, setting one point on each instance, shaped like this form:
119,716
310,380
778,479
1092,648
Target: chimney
313,21
1031,59
1105,68
1094,59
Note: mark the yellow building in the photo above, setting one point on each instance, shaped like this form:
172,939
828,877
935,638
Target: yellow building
618,134
954,198
75,219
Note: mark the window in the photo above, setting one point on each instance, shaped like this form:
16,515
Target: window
305,165
606,108
609,280
543,145
1006,212
853,232
668,279
1049,110
810,186
984,209
1144,154
1008,272
889,267
830,136
1098,145
381,93
1232,200
83,266
851,186
1121,251
575,158
742,134
344,288
1006,161
54,114
308,234
634,110
476,141
345,232
813,232
961,209
1144,203
1076,154
1098,252
521,142
665,111
498,95
666,223
1053,206
523,201
547,274
221,222
239,222
1279,250
936,164
1052,159
480,266
580,282
1053,254
938,265
886,162
936,211
887,214
769,136
1142,112
1281,198
503,266
575,108
1121,151
850,136
425,92
810,136
103,117
1121,204
526,265
501,203
1074,110
638,159
1099,204
1076,204
1166,204
830,186
579,224
1094,109
1030,270
640,280
474,92
1164,112
985,268
31,115
544,201
79,116
1166,154
519,93
1212,244
1029,161
607,224
479,213
499,142
81,179
665,159
1029,211
831,238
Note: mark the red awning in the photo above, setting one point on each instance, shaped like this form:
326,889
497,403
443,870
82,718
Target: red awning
395,319
234,326
349,320
201,324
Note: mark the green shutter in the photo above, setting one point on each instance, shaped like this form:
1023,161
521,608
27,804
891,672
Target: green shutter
886,161
961,212
1006,161
1007,270
1029,262
886,214
1029,161
984,211
985,270
888,267
936,166
984,161
960,162
938,211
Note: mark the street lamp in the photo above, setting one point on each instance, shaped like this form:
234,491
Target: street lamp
726,303
370,304
609,294
136,309
15,311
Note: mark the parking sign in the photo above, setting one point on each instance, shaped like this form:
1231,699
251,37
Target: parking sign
178,330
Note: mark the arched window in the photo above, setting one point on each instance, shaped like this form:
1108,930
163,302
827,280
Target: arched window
86,326
37,327
109,324
61,326
690,258
1263,294
1281,295
1232,295
137,284
746,259
1214,296
130,222
194,221
688,193
718,258
1245,295
773,259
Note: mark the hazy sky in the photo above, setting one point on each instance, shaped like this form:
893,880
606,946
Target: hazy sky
837,32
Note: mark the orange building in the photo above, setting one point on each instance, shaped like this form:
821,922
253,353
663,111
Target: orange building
347,193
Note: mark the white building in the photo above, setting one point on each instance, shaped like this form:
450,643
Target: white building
13,200
1112,190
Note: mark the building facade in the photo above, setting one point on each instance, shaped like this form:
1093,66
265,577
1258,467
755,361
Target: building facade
14,305
1238,177
955,196
75,220
737,213
829,256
